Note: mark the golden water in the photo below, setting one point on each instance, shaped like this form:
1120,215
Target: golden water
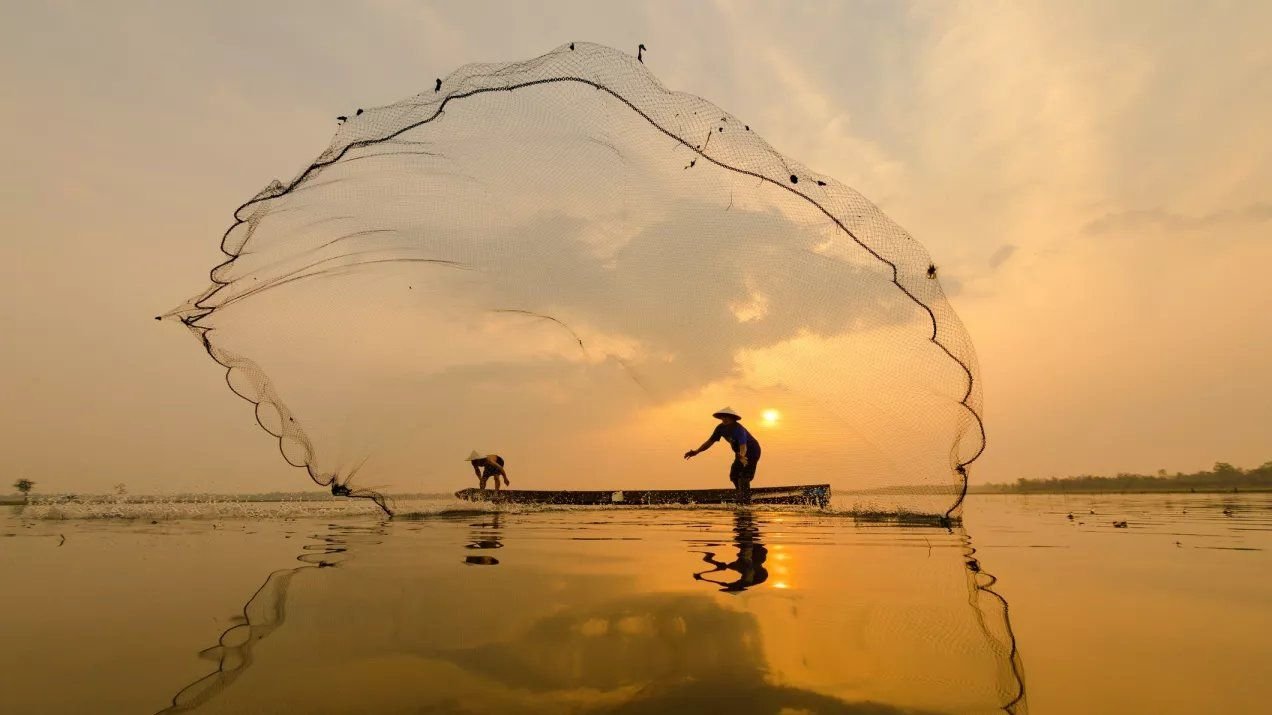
311,608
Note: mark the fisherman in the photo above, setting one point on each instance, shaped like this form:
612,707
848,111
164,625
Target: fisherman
746,449
487,466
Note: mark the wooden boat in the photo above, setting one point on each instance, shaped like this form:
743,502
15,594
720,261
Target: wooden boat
807,494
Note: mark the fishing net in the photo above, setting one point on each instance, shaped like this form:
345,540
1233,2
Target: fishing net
561,262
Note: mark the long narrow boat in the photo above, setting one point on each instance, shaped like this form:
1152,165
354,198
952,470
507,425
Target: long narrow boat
807,494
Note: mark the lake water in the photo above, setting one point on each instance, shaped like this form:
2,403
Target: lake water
327,608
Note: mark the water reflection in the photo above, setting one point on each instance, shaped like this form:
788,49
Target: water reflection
996,625
884,620
749,563
265,612
649,653
485,535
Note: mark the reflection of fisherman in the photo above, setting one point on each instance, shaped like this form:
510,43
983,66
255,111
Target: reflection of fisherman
750,561
486,535
485,467
746,448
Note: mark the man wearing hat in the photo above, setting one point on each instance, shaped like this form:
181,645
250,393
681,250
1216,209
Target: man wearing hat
746,449
487,466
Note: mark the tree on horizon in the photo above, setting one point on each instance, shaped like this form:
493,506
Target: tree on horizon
24,486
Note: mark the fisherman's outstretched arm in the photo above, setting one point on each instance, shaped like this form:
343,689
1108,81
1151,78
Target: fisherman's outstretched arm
705,446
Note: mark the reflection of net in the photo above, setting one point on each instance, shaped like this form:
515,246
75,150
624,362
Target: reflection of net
562,260
994,618
263,613
620,625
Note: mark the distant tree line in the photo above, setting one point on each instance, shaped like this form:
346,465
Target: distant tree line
1222,478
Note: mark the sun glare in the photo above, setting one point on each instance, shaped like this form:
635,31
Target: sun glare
771,416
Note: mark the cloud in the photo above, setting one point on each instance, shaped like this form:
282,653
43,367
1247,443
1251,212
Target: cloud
1125,221
951,285
1001,255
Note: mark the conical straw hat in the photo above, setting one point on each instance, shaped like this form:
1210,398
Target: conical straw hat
726,411
474,455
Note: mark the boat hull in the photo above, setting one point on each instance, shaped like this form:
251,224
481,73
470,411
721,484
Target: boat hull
807,494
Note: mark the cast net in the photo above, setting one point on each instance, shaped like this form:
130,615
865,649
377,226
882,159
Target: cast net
561,262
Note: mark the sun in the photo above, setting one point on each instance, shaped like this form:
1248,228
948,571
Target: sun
770,416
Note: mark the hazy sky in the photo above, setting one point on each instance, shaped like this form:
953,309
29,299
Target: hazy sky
1095,183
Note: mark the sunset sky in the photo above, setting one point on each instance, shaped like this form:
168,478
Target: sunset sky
1094,182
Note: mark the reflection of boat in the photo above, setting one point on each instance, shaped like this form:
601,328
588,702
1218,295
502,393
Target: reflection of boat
808,494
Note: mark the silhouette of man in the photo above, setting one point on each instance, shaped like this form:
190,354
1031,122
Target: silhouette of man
487,466
746,449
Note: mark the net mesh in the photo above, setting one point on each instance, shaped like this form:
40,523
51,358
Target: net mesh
562,262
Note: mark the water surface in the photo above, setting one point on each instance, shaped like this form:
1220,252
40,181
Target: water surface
327,608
